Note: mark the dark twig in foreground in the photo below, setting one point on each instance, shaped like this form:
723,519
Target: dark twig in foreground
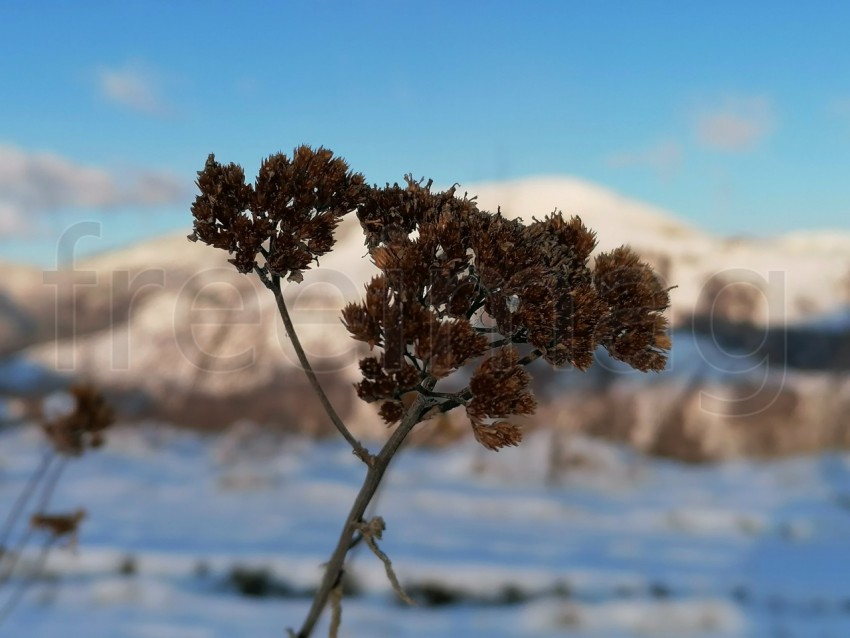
22,500
51,480
27,581
359,450
355,516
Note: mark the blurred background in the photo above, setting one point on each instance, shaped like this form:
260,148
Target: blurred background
712,499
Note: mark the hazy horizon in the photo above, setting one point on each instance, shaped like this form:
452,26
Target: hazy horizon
87,237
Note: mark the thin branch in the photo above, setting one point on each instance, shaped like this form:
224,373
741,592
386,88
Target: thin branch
461,398
457,396
274,285
435,394
413,360
358,538
25,584
475,307
23,499
263,274
375,473
46,492
336,611
372,532
530,357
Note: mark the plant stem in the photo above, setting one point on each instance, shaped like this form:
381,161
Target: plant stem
375,473
25,584
47,489
361,452
531,357
22,500
461,398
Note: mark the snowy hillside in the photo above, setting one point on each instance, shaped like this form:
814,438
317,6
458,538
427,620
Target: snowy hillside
594,542
794,277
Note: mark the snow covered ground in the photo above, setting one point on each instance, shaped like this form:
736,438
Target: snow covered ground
491,545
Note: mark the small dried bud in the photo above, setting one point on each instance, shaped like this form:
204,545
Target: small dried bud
365,320
500,388
566,244
382,381
634,329
497,435
448,345
59,525
391,411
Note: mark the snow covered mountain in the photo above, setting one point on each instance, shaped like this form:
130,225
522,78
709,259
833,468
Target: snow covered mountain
776,280
172,326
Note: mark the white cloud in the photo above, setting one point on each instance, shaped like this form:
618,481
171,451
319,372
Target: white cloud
738,125
133,86
664,158
12,221
33,184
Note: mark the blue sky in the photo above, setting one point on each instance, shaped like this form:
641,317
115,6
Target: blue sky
734,116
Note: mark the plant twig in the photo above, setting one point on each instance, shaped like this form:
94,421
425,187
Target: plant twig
440,395
22,500
475,307
532,356
359,450
375,473
482,330
336,610
25,584
371,531
46,492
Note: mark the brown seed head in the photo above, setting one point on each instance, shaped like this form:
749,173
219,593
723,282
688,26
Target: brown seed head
444,265
497,435
633,329
291,212
83,428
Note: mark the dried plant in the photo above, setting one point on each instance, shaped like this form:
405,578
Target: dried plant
78,426
456,286
82,428
60,525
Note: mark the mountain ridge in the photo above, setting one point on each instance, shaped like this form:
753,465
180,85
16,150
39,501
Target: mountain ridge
172,320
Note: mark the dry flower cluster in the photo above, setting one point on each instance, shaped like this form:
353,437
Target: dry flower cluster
60,525
456,286
292,210
82,428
